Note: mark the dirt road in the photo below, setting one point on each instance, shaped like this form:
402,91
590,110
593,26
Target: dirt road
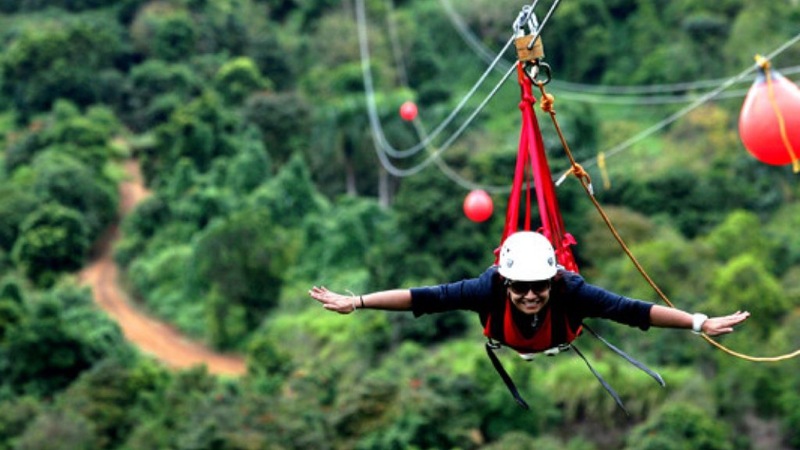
151,336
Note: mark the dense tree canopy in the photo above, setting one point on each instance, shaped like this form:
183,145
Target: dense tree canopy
265,176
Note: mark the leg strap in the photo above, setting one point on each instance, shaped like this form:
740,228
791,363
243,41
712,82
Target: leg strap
504,375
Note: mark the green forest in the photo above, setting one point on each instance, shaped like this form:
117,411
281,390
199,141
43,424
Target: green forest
251,124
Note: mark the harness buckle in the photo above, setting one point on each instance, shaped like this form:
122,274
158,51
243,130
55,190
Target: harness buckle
493,344
557,349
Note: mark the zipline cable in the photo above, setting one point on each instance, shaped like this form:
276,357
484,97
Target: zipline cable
683,111
377,130
419,128
379,138
610,94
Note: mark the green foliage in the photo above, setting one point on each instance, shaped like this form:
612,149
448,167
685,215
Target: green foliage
53,239
283,119
239,78
274,57
680,426
160,276
239,264
57,430
268,363
12,6
251,167
780,229
15,416
60,336
102,396
66,131
65,181
290,196
57,59
164,31
745,284
16,202
156,89
433,219
741,233
199,131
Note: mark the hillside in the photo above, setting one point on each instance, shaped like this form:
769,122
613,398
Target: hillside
273,158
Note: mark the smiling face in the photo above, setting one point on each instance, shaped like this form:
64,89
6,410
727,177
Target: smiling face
529,297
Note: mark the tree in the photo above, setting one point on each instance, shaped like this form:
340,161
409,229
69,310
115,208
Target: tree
164,31
58,59
744,283
53,239
104,395
155,89
239,78
200,131
60,334
16,202
65,181
727,239
289,196
15,416
433,220
57,430
680,426
240,262
284,119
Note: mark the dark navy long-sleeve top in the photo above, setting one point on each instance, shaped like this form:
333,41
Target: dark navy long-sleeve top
579,299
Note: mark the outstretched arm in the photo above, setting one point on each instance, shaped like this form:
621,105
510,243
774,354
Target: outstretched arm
662,316
394,300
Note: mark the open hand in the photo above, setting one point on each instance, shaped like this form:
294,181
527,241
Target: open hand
716,326
343,304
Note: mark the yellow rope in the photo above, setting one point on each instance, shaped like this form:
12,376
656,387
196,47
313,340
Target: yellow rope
583,177
765,65
601,164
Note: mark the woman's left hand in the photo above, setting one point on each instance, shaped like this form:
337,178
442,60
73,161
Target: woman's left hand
715,326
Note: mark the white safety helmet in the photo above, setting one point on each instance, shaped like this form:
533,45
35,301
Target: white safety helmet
527,256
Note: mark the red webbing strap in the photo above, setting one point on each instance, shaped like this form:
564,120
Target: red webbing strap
532,163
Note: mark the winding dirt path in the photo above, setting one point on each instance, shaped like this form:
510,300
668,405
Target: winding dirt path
150,335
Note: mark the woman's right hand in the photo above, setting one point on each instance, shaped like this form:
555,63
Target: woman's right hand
343,304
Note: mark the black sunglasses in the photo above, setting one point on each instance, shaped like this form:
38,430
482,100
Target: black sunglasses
522,287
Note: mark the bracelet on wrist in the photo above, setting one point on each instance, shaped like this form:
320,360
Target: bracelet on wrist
697,322
362,301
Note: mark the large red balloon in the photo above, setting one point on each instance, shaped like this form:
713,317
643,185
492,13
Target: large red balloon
478,206
759,127
408,111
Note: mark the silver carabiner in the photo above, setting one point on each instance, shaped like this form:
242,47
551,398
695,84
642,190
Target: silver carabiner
537,68
525,17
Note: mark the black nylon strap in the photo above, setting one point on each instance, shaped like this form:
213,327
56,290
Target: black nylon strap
628,358
601,380
504,375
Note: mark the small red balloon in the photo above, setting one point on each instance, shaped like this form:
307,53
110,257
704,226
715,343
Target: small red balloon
759,127
478,205
408,111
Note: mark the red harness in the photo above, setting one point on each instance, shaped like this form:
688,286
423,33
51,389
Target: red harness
552,330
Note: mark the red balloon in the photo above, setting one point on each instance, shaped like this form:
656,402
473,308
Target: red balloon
408,111
759,127
478,205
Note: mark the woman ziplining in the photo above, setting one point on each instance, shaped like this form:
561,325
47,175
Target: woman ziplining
533,299
529,303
